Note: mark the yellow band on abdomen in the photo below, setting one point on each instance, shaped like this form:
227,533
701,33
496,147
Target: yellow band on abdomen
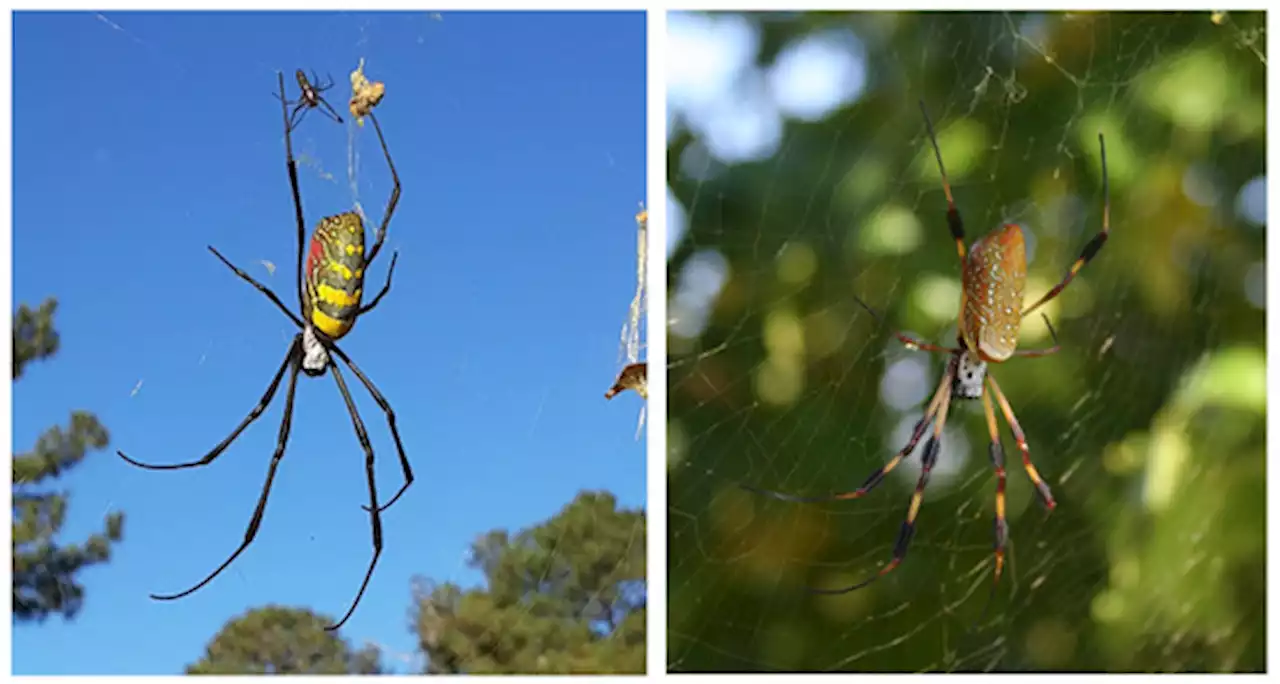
333,327
336,297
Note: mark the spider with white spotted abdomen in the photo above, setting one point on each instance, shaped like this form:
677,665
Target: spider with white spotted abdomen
993,277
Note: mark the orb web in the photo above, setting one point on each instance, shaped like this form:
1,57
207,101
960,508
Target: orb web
789,195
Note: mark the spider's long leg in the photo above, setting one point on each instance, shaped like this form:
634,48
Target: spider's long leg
299,113
328,111
395,193
1007,410
953,215
1034,353
287,102
375,519
252,530
1094,246
297,196
391,422
259,286
906,340
878,476
385,288
908,529
996,451
253,415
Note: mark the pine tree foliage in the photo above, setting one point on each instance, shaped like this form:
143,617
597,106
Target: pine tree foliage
46,570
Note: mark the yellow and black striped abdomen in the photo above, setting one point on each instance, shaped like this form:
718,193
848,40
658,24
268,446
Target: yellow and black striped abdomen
335,273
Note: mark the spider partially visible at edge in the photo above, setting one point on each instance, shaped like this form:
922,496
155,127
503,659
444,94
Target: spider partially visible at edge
329,295
993,277
310,96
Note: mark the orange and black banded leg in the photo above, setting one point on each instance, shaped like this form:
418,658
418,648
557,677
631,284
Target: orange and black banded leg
878,476
259,287
908,530
253,415
996,451
385,405
1041,486
1047,351
375,519
395,193
292,167
954,222
386,287
906,340
295,362
1093,247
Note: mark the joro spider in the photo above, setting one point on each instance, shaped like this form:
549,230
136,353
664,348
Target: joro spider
310,97
993,275
329,300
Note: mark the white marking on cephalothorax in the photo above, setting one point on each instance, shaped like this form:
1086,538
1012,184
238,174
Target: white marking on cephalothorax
315,358
971,371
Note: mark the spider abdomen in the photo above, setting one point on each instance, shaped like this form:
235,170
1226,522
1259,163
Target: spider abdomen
995,275
335,273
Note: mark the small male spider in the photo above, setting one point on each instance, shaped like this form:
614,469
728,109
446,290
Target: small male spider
329,294
993,275
310,97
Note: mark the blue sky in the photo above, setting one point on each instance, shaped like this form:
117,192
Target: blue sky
141,138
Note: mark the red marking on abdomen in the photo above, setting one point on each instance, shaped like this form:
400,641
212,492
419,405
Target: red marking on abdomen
315,257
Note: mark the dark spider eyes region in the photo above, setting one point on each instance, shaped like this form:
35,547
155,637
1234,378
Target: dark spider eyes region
329,273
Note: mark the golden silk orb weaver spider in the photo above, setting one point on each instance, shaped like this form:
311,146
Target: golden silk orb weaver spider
329,299
993,277
310,96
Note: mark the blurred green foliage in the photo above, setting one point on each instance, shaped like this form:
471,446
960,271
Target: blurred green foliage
1149,425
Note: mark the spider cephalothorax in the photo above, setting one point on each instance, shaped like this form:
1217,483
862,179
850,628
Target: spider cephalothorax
970,371
993,278
329,294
